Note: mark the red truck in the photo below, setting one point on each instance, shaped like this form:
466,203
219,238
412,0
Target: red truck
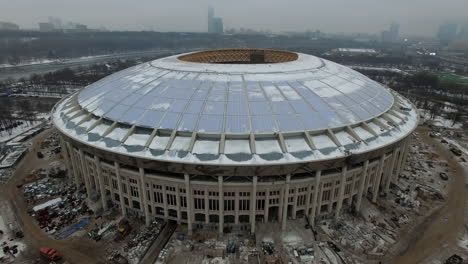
49,253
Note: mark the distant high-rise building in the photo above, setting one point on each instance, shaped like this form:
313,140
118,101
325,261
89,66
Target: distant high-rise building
7,26
464,32
394,31
447,32
81,27
218,25
391,35
215,24
56,22
46,27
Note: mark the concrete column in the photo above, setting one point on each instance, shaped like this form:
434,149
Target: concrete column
308,197
91,180
189,204
280,207
378,177
339,204
119,185
403,156
351,190
367,183
66,156
166,212
399,164
236,208
390,171
178,198
71,159
144,196
320,199
101,183
285,202
362,182
84,173
97,183
267,204
253,204
207,206
221,205
315,198
295,203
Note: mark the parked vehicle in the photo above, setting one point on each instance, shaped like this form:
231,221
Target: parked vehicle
49,253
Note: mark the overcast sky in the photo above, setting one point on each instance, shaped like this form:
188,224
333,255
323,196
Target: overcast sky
418,17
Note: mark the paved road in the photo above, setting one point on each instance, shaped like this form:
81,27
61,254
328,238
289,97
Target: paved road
444,225
73,252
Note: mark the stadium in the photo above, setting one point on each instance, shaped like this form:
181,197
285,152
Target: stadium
230,138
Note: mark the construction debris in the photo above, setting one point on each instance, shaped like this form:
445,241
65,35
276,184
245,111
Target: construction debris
55,203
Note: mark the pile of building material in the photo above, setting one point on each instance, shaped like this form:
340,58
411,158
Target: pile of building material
138,245
103,230
408,199
55,204
46,188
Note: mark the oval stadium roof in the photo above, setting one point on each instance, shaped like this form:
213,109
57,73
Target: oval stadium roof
189,101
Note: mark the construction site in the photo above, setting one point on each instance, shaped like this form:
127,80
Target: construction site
389,188
54,213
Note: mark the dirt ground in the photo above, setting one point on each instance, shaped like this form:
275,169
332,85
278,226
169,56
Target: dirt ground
73,250
440,229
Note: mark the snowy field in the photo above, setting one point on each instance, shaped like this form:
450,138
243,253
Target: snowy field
9,135
440,121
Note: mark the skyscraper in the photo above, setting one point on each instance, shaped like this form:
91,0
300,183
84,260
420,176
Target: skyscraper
447,32
463,32
391,35
394,31
215,24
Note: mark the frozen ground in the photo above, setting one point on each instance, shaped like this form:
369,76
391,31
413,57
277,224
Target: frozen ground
9,227
440,121
7,136
375,231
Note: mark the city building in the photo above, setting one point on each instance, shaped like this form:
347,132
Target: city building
447,33
77,28
391,35
56,23
463,35
215,24
46,27
7,26
229,138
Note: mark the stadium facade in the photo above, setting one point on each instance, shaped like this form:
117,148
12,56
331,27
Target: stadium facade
228,138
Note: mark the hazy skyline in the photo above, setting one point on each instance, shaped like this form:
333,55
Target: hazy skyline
416,17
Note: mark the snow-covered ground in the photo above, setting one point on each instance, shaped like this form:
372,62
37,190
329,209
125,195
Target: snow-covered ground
47,61
33,62
377,69
440,121
7,136
9,226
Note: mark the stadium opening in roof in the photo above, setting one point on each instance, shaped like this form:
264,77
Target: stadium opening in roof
229,138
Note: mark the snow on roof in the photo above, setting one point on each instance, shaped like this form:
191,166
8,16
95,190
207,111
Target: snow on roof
226,98
47,204
221,118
